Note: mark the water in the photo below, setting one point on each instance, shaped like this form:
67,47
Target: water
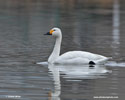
95,26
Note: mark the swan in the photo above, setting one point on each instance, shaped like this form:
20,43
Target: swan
71,57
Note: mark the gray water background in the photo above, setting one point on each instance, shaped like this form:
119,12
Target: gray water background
96,26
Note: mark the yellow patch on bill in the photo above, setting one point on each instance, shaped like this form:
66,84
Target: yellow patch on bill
51,31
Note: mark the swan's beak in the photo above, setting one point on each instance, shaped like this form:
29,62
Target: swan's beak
48,33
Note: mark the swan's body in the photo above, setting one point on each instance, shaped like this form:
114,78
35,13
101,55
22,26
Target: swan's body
72,57
80,57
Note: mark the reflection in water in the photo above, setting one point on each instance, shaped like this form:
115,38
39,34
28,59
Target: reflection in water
116,36
56,77
82,71
116,31
74,73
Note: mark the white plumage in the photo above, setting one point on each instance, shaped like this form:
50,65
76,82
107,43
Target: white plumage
80,57
72,57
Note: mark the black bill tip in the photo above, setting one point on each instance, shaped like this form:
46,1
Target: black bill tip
48,33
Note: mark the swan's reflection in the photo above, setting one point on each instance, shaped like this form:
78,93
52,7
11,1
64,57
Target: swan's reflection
56,77
74,72
82,71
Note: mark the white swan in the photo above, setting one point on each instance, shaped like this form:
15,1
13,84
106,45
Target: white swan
72,57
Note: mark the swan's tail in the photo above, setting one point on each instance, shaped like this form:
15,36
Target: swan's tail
102,61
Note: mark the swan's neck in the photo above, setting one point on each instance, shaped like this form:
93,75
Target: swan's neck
56,51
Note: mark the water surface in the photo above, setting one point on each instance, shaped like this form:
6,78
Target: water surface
95,26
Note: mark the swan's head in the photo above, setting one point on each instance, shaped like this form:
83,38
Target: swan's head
56,32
